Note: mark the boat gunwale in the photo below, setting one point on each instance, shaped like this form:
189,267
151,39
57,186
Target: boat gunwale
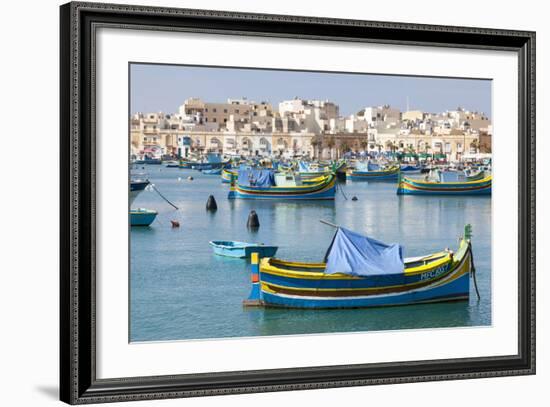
488,179
266,266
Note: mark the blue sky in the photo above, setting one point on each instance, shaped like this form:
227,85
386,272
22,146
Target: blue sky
163,88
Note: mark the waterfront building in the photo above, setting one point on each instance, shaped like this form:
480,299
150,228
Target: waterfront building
303,127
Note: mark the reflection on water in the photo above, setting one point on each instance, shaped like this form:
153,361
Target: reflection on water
180,290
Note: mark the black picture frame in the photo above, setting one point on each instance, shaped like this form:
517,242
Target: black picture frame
78,382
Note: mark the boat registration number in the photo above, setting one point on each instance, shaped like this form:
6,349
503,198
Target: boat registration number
428,275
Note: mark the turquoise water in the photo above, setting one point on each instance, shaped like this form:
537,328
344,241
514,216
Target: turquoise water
180,290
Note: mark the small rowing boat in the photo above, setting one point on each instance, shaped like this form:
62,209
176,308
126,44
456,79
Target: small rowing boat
142,216
241,250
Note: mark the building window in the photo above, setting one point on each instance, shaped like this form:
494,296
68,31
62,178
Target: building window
206,119
225,110
206,110
214,120
225,120
236,110
214,110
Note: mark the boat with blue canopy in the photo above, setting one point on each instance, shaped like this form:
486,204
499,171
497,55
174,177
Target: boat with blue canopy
241,250
359,271
267,184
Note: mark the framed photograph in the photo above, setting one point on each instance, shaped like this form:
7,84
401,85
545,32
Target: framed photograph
254,203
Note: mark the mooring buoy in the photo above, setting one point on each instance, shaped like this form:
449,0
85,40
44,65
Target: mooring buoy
175,223
190,178
354,198
253,221
211,204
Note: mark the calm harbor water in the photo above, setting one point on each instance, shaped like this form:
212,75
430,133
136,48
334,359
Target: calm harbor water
180,290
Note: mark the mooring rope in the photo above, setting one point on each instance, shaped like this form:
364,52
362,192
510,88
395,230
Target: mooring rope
474,273
339,187
163,197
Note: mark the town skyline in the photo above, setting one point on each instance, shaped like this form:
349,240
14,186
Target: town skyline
163,88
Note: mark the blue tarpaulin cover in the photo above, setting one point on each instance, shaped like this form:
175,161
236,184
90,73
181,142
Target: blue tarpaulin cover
256,178
358,255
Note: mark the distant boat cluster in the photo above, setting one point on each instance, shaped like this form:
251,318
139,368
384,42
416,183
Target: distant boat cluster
357,271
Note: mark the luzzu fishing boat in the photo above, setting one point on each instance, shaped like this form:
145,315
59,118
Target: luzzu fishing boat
267,184
374,173
409,186
361,272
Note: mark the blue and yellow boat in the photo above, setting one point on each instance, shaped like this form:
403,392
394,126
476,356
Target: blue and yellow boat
409,186
361,272
375,174
267,184
241,250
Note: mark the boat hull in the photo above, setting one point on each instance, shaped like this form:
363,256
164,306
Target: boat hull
453,291
142,217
